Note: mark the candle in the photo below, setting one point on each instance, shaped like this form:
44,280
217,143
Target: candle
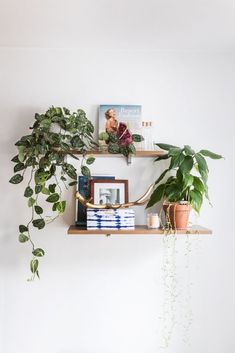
153,220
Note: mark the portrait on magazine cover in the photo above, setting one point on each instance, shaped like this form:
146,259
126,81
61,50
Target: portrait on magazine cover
111,115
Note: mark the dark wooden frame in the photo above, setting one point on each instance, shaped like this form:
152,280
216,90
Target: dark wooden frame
109,181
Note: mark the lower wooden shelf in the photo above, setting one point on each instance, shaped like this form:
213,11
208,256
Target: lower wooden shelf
139,230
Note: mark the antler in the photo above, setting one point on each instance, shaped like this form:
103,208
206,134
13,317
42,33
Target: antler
141,201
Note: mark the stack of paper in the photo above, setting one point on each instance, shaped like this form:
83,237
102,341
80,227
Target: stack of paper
123,218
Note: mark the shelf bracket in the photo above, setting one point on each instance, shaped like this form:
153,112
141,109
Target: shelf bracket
128,159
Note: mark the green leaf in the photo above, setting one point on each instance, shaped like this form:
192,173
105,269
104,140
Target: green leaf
41,176
23,238
53,169
188,150
137,138
34,265
113,148
186,165
210,154
52,188
165,146
85,171
53,198
161,176
21,154
54,207
45,191
176,160
28,192
15,159
173,192
113,138
38,189
77,142
16,179
18,167
175,151
38,209
162,157
60,207
31,201
90,160
196,200
187,180
23,228
156,195
39,223
70,170
73,183
198,184
202,164
131,148
38,252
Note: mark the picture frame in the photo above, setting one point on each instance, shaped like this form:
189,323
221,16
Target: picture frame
84,189
104,191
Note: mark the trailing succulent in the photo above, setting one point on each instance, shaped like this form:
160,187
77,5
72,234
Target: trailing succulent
189,180
41,160
121,141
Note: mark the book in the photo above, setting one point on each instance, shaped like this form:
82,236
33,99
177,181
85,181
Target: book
111,115
123,218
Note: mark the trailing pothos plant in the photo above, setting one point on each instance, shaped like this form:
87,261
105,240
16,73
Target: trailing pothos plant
42,163
187,179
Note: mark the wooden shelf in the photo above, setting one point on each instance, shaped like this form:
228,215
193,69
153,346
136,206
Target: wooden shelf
137,154
139,230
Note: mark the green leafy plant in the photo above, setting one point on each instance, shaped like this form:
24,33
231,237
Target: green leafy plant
121,141
187,176
41,161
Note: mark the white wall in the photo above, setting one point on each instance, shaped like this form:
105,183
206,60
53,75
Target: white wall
105,295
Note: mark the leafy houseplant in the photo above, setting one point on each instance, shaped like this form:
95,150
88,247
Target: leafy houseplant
41,159
121,141
186,185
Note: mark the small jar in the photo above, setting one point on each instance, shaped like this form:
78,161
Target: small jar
153,221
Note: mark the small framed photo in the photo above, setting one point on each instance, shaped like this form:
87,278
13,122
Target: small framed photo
109,191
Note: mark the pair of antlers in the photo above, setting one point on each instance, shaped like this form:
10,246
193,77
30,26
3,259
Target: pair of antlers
141,201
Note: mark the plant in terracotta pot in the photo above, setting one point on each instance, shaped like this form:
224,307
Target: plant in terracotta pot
186,185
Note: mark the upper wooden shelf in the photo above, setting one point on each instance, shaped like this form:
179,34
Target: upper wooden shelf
139,230
137,154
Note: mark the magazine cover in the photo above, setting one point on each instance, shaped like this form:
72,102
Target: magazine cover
111,115
84,189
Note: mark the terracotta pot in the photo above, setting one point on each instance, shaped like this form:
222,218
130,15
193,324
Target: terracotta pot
178,214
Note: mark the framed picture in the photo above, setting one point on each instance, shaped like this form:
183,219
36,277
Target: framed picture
84,189
109,191
111,115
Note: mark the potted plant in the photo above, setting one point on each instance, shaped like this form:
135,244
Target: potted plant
186,185
41,161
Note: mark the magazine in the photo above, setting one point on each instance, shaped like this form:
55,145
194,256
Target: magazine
111,115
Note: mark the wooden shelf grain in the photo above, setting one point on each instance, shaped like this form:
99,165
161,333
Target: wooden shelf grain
113,155
139,230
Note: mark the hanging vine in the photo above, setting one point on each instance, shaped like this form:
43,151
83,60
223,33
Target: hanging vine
41,162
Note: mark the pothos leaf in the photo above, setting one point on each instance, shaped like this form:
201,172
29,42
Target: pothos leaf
38,252
23,238
28,191
16,179
39,223
34,265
